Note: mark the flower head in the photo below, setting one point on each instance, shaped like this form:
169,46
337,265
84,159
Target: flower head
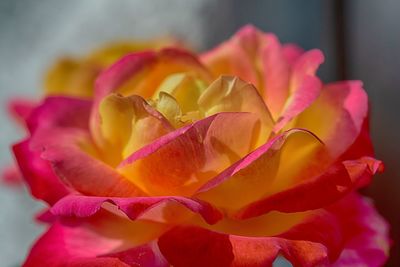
229,158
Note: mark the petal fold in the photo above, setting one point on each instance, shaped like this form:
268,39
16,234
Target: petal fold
135,208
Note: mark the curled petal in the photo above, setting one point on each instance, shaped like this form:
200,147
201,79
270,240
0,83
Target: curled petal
64,246
83,206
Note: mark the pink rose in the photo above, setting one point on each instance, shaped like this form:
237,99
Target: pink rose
230,158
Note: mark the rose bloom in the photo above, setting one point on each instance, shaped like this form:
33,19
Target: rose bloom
229,158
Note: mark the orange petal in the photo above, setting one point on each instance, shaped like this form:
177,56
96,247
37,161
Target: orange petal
179,162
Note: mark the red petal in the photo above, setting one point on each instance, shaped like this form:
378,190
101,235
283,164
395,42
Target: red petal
68,151
42,181
83,206
197,247
315,193
60,112
20,109
78,246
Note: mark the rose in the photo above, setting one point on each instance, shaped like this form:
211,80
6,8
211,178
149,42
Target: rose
173,164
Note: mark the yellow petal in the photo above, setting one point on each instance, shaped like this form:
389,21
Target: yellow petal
127,124
185,88
231,94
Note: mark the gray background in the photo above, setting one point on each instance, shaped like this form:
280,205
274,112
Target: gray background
33,33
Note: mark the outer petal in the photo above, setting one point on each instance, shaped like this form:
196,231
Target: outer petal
73,158
83,206
318,192
20,109
42,181
60,112
337,115
292,52
210,145
351,229
78,246
362,146
197,247
348,233
366,232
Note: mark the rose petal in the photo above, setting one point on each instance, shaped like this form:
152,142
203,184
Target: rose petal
268,169
348,233
73,158
327,188
337,115
255,57
230,94
78,246
71,77
367,233
42,181
191,246
210,145
292,53
351,229
60,112
134,208
147,255
20,109
362,146
304,87
126,125
221,61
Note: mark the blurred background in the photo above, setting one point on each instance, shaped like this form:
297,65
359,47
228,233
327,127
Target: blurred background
360,39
